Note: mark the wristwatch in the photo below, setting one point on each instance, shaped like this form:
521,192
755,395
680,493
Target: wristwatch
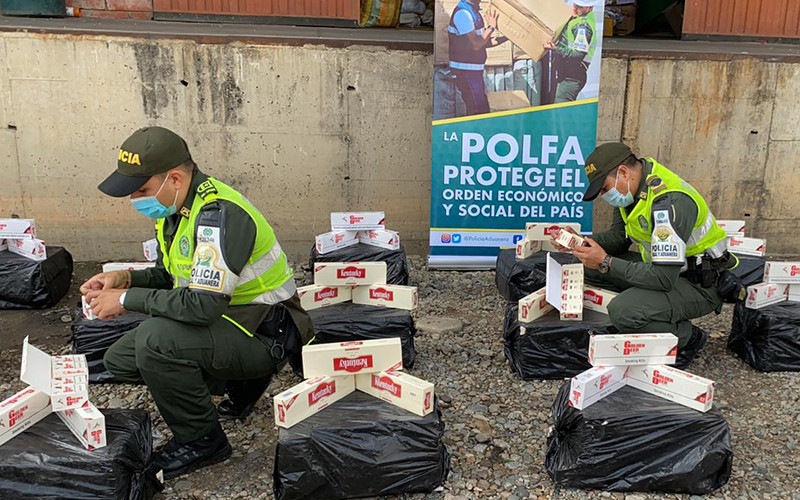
605,265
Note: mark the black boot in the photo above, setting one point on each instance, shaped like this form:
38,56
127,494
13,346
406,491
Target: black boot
176,459
687,353
242,397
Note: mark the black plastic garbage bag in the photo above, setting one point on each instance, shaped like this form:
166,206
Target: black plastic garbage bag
634,441
517,278
750,269
48,462
768,339
361,446
346,322
30,284
94,337
396,263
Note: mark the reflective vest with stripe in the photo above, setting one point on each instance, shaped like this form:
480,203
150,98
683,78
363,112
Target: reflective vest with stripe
265,279
578,34
707,237
462,55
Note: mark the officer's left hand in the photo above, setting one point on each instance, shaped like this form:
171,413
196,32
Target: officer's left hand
591,255
105,303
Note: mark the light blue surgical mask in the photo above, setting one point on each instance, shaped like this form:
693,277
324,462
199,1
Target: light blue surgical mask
149,206
616,199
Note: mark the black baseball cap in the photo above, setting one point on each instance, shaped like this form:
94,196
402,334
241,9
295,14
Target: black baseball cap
147,152
603,160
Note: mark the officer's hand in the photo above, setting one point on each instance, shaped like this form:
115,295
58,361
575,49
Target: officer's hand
104,281
592,255
548,43
491,17
105,303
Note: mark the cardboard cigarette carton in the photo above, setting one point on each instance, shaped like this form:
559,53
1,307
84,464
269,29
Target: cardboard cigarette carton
732,227
150,249
526,248
357,221
348,358
541,231
597,299
86,310
64,378
633,349
569,240
316,296
766,294
596,383
782,272
571,316
17,228
398,388
528,23
31,248
747,246
506,100
127,266
674,385
309,397
533,306
21,411
87,424
349,273
382,238
794,293
572,290
334,240
395,296
3,245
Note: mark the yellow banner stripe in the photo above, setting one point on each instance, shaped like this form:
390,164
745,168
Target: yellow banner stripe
512,112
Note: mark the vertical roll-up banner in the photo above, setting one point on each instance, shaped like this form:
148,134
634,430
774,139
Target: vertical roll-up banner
514,116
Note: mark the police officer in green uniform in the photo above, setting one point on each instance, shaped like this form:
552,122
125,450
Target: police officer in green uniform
572,52
222,298
681,249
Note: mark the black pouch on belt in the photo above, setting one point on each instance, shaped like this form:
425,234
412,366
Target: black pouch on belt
278,325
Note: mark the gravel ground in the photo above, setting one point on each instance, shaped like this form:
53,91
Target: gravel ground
496,424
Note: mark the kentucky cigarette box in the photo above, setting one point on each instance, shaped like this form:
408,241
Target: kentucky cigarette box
674,385
747,246
316,296
367,356
732,227
597,299
542,231
398,388
526,248
572,291
766,294
633,349
127,266
533,306
794,293
357,221
382,238
569,240
596,383
349,273
86,310
782,272
334,240
150,250
31,248
395,296
64,378
309,397
17,228
21,411
87,424
571,316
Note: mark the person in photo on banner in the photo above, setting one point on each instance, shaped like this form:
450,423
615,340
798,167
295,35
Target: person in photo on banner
225,311
470,34
682,252
571,53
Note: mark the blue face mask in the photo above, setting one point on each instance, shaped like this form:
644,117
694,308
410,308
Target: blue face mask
149,206
616,199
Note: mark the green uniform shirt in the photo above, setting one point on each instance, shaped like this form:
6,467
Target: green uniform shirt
566,46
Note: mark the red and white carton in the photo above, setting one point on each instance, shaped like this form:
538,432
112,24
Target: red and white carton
357,221
526,248
383,238
21,411
17,229
633,349
572,292
150,249
747,246
765,294
732,227
569,240
533,306
316,296
596,383
541,231
3,245
350,358
309,397
349,273
64,378
32,248
794,293
86,310
87,424
400,389
673,384
597,299
127,266
786,273
334,240
395,296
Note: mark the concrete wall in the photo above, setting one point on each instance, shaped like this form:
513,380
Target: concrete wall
305,130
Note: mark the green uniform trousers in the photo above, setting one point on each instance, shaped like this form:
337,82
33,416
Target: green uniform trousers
637,310
184,364
568,89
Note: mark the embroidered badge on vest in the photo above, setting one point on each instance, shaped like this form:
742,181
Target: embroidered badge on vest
205,189
655,183
185,212
183,246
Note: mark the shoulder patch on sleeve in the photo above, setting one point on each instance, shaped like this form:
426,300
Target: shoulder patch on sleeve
206,188
210,272
665,245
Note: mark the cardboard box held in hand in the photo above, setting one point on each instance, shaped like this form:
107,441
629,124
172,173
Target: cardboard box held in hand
528,23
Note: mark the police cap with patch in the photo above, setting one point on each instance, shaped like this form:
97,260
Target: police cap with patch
147,152
603,160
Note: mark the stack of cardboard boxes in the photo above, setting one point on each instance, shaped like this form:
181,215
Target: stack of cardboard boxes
781,283
351,228
19,236
738,243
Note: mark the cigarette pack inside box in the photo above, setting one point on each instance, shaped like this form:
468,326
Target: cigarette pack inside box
572,289
766,294
397,296
569,240
334,240
64,378
533,306
350,273
633,349
516,278
526,248
594,384
782,272
87,424
316,296
150,249
732,227
597,299
357,221
673,384
86,310
17,228
571,316
528,23
31,248
21,411
309,397
400,389
382,238
127,266
542,231
747,246
368,356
